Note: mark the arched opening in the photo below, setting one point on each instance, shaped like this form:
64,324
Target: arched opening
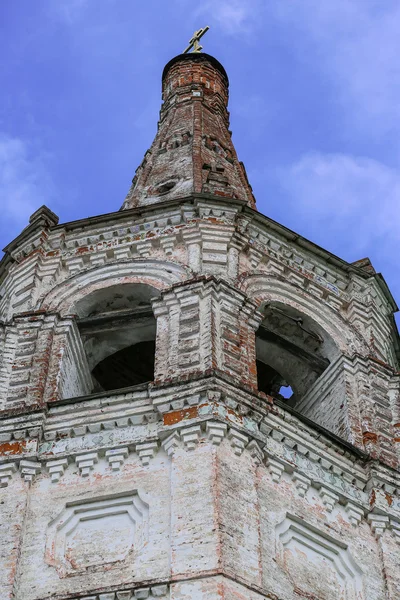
271,382
118,331
130,366
292,353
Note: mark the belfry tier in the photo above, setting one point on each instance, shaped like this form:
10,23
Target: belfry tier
192,152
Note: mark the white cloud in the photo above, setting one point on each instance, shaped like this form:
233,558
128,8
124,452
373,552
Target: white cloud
352,201
231,16
356,44
24,184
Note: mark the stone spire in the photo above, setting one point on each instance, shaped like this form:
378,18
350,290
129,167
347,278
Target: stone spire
192,152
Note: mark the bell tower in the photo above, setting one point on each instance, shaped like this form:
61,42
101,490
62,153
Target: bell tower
196,403
192,152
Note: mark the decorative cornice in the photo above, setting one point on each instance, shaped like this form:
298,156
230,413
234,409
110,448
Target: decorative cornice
306,472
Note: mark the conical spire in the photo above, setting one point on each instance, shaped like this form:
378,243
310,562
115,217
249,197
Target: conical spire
193,151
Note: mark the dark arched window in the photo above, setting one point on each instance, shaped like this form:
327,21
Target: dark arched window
291,354
118,331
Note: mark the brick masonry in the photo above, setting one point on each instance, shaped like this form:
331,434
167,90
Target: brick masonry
192,151
195,485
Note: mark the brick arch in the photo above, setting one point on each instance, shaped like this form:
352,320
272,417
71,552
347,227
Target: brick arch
264,289
330,401
157,274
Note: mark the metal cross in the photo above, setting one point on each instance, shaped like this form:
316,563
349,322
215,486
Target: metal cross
194,41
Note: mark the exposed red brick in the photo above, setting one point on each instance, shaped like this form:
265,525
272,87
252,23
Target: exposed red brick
194,134
180,415
12,448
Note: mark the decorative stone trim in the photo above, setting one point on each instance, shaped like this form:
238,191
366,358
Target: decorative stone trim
286,444
281,453
275,468
238,441
74,264
156,591
125,595
355,513
98,259
168,243
145,593
216,431
86,462
147,451
255,452
95,420
171,443
70,558
178,404
302,484
395,527
299,462
116,457
328,498
6,473
296,437
144,248
29,469
190,436
56,469
122,253
295,533
255,257
278,436
199,393
378,524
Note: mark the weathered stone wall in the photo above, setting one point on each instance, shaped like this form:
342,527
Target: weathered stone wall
330,399
192,151
166,247
238,497
252,505
195,485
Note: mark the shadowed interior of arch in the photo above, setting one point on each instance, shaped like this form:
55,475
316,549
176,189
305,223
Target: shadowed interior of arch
118,330
292,354
130,366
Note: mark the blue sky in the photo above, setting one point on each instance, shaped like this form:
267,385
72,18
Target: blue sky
315,109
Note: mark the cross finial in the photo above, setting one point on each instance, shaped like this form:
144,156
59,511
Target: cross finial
194,41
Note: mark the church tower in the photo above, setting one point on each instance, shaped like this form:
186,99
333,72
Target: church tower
196,402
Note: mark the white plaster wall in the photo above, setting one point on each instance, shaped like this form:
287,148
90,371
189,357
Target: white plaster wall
194,523
239,514
282,578
39,579
13,504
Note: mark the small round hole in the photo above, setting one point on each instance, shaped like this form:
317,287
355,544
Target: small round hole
286,391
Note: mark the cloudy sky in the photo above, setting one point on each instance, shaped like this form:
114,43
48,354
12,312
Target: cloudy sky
315,109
